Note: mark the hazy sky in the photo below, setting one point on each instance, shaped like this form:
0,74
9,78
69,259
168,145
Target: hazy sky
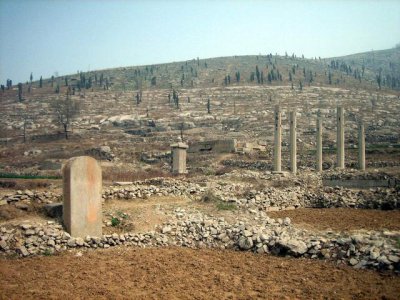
45,37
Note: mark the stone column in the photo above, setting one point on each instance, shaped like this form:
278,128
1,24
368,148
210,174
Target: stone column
361,146
82,184
319,144
340,137
179,158
278,140
293,145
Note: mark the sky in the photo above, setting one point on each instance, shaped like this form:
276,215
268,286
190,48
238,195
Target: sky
48,37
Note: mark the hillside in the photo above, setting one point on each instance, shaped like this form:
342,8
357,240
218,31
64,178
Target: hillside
132,109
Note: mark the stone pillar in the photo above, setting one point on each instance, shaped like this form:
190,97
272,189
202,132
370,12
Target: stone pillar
179,158
293,145
82,181
340,138
361,146
278,140
319,144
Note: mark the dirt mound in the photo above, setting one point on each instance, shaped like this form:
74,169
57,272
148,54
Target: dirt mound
182,273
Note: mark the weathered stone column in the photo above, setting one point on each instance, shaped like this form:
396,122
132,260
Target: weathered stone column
278,140
361,146
340,137
293,145
82,181
179,158
319,144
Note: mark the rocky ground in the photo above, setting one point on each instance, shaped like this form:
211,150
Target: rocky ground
246,216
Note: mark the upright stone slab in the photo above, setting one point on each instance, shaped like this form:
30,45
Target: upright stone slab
340,137
361,146
82,213
293,144
179,158
319,144
278,140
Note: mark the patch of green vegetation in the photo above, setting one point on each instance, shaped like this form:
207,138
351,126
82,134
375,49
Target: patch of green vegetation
209,172
122,215
210,197
226,206
27,176
47,252
115,221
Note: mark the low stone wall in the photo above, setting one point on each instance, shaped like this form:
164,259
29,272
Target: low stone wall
218,146
360,184
370,250
265,199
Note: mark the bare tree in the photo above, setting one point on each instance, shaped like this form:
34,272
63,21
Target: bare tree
26,117
65,109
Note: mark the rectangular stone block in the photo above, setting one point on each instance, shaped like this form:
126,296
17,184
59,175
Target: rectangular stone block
82,214
179,158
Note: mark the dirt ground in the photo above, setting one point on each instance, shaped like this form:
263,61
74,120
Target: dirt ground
341,219
173,273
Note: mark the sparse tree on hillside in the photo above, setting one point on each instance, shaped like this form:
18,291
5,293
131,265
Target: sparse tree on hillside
379,78
258,75
64,110
20,91
137,99
2,88
52,81
31,77
177,101
237,76
208,106
40,82
269,77
181,129
24,115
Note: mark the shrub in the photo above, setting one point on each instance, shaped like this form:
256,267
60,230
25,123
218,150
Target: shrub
209,196
226,206
115,222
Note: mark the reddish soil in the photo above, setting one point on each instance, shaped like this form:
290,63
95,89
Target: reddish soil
341,219
172,273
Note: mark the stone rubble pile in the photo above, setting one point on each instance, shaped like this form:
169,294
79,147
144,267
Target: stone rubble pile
296,197
26,197
376,250
301,194
249,165
357,175
101,153
153,187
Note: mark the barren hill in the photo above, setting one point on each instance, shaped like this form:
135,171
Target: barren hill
133,110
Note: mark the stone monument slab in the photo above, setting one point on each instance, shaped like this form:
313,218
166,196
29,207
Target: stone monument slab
82,183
